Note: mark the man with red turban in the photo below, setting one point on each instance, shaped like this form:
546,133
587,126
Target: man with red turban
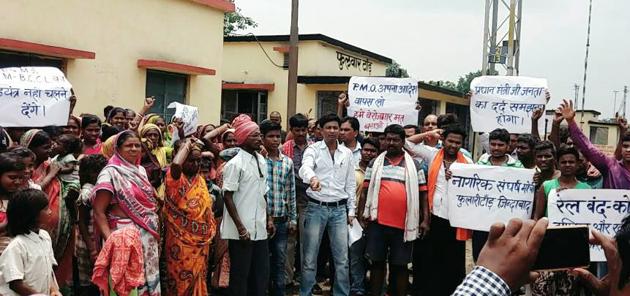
247,224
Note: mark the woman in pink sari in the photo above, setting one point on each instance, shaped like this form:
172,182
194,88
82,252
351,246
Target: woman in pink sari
59,223
124,197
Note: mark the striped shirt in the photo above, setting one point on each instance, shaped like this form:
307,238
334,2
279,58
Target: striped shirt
281,183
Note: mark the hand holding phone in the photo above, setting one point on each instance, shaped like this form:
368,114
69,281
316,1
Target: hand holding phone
564,247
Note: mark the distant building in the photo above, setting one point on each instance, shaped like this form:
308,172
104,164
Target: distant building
117,52
604,134
253,84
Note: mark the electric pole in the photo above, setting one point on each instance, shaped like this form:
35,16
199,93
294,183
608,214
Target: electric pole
615,104
625,98
577,95
588,44
293,62
502,36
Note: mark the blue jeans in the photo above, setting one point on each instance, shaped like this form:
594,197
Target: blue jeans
335,220
357,267
278,250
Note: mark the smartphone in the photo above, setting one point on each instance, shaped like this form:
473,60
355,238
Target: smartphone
564,247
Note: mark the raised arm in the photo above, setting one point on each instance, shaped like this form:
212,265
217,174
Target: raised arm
342,104
179,159
594,155
535,117
554,135
417,139
623,128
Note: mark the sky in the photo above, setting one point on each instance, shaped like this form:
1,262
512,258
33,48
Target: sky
443,39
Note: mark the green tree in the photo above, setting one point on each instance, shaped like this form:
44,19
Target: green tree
463,83
395,70
236,21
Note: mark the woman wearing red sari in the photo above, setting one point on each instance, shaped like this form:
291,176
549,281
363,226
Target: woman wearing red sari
59,223
189,224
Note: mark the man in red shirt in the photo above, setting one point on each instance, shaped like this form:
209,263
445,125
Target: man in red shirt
396,209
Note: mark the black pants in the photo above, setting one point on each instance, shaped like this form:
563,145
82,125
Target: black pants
478,241
249,267
438,258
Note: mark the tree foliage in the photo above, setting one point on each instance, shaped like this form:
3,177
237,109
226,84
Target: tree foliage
236,21
395,70
462,85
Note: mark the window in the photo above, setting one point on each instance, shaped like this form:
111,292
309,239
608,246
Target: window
327,102
428,107
252,102
166,88
599,135
20,59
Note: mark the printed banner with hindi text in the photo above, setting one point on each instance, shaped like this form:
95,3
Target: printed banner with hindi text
506,102
34,97
479,196
601,209
380,101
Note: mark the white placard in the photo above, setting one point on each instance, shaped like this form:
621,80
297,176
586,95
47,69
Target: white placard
34,97
601,209
188,114
380,101
479,195
506,102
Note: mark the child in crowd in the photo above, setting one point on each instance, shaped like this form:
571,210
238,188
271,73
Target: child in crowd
86,250
69,148
26,266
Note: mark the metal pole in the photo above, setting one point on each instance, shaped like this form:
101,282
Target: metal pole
519,22
588,44
510,61
615,104
625,98
486,49
293,62
577,95
493,33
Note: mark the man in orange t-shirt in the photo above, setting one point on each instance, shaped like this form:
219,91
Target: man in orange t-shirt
386,234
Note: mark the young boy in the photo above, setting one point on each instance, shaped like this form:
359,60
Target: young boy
499,156
280,202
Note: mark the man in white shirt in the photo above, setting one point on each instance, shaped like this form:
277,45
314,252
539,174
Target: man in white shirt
247,223
348,133
329,169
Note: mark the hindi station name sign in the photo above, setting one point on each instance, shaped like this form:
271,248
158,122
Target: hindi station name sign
479,195
601,209
506,102
379,101
34,97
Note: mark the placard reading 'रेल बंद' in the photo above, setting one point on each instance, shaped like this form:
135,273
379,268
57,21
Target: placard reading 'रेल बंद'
506,102
188,114
601,209
34,97
479,195
381,101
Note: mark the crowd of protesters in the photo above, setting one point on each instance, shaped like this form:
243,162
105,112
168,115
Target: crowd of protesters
132,205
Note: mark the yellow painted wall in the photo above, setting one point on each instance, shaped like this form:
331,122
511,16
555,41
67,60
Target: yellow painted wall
120,32
320,59
245,62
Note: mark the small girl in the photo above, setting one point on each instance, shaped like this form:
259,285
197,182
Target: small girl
26,266
11,180
86,250
69,148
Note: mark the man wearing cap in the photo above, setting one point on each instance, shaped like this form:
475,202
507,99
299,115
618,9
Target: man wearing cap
247,224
